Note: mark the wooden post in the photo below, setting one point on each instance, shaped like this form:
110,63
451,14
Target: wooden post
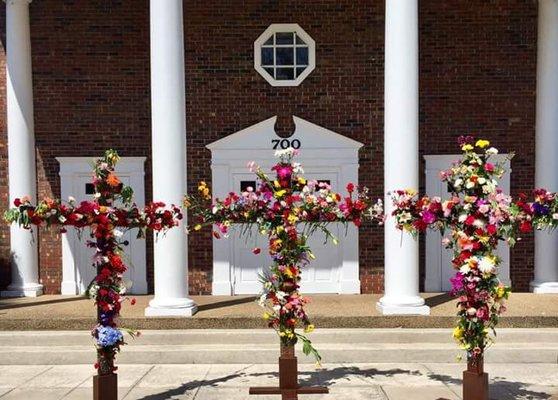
105,387
475,380
288,378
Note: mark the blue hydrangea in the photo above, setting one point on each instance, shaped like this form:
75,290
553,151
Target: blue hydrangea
108,336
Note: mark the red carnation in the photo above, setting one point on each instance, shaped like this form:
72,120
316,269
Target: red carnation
350,187
526,227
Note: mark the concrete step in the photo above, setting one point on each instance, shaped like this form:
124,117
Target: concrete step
265,354
268,336
261,347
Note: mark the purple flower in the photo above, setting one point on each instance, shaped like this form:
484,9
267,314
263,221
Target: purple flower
540,209
456,283
428,217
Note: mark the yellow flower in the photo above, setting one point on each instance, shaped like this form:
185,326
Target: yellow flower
458,333
280,193
501,291
266,315
276,183
197,227
301,180
311,255
292,219
309,328
280,229
467,147
482,143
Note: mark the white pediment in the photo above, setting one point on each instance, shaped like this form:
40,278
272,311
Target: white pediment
262,136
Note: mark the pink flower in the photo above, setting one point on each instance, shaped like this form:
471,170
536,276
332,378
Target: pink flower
489,167
252,166
482,313
428,217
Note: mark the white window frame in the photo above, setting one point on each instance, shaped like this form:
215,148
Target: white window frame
279,28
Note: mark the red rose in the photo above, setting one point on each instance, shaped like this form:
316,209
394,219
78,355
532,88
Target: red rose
256,250
350,187
470,220
17,202
526,227
491,229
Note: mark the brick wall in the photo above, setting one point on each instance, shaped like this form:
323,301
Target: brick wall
91,82
478,72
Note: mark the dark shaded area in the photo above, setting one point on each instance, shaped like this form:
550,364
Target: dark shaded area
226,303
499,388
6,304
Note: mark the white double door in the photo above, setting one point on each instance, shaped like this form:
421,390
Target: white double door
321,275
77,256
439,268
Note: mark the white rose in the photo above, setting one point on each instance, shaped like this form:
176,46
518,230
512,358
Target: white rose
462,217
470,184
458,182
465,269
481,181
492,150
472,311
555,216
487,266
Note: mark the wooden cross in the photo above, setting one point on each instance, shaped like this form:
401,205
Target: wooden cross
288,210
479,216
105,221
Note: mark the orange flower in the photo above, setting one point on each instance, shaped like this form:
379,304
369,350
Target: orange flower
113,180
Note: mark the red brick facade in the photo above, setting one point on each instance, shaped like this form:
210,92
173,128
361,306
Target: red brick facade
91,92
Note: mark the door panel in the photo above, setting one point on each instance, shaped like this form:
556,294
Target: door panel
319,276
85,272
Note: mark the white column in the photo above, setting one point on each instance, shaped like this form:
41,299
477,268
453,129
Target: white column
21,146
168,121
401,154
546,165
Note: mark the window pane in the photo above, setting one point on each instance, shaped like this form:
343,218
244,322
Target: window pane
269,42
267,55
285,74
299,40
270,72
300,71
302,56
285,56
284,38
244,185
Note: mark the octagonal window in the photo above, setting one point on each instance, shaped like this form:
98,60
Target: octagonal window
284,54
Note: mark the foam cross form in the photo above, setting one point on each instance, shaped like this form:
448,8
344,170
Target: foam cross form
478,216
287,209
106,222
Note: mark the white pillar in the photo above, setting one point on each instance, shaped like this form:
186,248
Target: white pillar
401,155
21,146
546,165
168,119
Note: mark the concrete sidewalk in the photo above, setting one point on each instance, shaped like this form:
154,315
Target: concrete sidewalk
212,382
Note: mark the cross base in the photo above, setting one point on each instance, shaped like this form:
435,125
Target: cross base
105,387
475,381
288,379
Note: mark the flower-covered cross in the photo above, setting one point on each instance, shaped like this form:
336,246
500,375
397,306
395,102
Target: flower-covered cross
287,209
106,222
478,216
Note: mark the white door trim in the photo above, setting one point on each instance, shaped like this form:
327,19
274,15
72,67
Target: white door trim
72,168
321,151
